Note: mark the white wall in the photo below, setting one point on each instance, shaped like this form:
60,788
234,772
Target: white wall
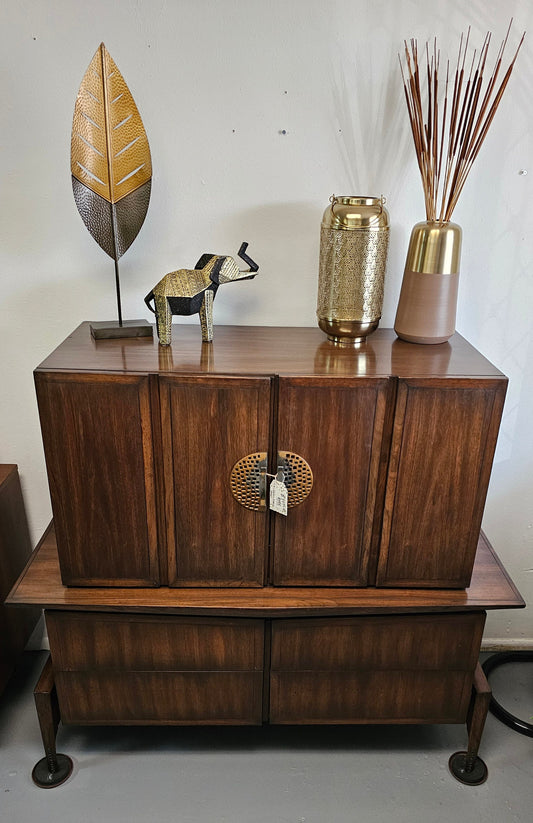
217,84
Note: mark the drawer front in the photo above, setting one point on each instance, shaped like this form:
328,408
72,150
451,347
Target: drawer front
413,642
400,668
99,641
370,697
160,697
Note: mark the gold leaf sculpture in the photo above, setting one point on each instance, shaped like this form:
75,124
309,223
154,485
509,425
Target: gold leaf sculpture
110,159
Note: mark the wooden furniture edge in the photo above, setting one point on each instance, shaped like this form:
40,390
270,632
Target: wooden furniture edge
40,584
187,335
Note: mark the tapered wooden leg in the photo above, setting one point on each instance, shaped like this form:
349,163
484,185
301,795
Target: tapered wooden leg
467,766
55,768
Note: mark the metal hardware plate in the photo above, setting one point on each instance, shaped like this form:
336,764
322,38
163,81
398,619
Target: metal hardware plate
248,481
298,477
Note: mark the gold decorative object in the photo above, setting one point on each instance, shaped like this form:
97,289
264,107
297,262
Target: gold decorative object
428,298
249,475
297,476
448,132
111,171
248,481
192,291
354,239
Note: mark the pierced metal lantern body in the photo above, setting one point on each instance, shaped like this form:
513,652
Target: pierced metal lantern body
354,241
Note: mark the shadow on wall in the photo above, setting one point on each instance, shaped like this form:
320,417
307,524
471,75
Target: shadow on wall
370,114
372,128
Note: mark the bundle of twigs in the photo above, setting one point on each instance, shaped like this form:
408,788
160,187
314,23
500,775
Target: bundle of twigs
447,136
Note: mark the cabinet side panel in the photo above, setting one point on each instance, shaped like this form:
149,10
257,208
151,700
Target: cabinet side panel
208,426
96,434
337,427
441,455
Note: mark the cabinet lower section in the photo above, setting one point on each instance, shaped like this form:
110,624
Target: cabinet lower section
144,669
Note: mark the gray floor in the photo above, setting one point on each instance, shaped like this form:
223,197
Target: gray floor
265,775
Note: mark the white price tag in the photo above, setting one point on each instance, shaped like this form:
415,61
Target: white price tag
278,497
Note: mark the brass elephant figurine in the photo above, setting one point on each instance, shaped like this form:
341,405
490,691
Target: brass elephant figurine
192,291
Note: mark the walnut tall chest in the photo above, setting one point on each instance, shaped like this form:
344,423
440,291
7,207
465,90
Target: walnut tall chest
174,593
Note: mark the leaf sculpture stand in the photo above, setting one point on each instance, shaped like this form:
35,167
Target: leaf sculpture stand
111,172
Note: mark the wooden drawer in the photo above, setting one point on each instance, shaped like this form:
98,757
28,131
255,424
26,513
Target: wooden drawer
137,698
130,668
370,697
396,642
401,668
132,642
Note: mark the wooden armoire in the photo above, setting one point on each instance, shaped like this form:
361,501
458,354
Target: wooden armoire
174,594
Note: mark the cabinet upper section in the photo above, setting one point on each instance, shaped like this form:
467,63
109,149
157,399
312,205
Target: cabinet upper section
153,455
268,350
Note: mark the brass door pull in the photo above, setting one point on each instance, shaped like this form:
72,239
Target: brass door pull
248,479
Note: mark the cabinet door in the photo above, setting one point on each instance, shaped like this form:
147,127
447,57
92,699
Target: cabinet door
209,424
337,426
98,447
441,455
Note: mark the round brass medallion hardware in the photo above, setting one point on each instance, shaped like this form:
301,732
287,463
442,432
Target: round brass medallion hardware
248,481
298,477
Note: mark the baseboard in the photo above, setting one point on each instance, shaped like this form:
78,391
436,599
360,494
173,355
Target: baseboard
496,644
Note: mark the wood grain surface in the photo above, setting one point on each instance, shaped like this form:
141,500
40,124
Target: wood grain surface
337,426
171,698
97,442
441,455
208,425
370,697
267,350
40,584
149,643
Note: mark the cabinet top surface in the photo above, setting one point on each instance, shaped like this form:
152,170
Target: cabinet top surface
40,584
268,350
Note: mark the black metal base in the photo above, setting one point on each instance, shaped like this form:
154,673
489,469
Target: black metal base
468,769
496,708
43,777
111,329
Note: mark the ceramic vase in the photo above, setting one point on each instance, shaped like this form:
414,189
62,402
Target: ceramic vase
428,298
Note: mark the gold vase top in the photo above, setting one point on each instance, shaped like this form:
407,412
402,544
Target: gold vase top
348,213
435,248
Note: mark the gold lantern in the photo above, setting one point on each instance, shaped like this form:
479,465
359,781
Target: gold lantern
354,240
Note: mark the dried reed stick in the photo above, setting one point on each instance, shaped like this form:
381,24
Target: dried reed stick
447,144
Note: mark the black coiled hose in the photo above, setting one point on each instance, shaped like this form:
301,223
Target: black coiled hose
497,710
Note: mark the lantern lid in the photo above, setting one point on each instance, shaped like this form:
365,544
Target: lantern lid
356,213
